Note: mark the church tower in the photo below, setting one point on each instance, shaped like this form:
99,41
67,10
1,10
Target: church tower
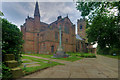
37,18
37,13
81,28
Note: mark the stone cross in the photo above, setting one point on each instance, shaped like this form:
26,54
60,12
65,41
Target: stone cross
60,52
60,36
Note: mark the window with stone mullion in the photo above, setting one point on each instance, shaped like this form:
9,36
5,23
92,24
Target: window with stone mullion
66,29
56,36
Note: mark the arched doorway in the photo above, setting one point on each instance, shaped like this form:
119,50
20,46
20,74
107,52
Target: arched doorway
52,49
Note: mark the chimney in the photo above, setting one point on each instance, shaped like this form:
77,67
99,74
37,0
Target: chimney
59,17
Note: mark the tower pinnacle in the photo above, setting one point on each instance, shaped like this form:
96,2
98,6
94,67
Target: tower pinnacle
36,12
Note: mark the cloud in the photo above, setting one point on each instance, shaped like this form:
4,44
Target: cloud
50,11
16,12
38,0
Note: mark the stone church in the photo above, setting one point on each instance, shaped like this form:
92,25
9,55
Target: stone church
43,38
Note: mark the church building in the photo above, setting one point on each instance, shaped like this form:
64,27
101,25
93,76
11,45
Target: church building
43,38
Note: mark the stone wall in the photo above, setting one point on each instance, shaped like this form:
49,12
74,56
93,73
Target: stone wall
81,46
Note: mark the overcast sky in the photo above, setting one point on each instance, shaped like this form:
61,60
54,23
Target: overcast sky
16,12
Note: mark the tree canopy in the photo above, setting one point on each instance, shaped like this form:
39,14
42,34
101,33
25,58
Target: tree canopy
103,24
1,14
10,42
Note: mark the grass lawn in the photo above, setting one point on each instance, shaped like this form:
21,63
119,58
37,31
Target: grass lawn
40,55
115,57
85,55
26,61
43,64
72,56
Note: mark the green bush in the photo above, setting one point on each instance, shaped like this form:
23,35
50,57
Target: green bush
88,55
11,40
6,71
11,44
82,55
78,54
108,51
115,50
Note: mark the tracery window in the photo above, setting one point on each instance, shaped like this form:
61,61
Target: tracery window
37,34
56,36
66,29
66,40
80,26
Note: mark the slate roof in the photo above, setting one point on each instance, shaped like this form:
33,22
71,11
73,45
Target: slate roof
78,37
57,21
44,23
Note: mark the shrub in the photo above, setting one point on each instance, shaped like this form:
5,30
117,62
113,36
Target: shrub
82,55
6,71
108,51
11,40
11,44
115,50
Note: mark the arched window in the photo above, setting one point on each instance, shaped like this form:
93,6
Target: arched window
52,49
41,36
80,26
66,29
37,34
56,36
44,45
81,45
78,45
66,40
25,28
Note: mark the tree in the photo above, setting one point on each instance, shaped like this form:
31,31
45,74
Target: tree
102,27
10,43
11,39
90,8
1,14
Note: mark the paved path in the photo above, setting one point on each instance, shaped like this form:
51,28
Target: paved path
100,67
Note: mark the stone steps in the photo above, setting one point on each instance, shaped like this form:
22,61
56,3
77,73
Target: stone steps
9,57
13,65
16,72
